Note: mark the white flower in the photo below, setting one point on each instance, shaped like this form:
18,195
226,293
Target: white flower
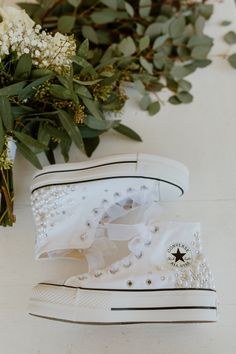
13,15
18,33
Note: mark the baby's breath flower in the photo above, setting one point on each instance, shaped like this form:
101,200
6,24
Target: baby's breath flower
20,34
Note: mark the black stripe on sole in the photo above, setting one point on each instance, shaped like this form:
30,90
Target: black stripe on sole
105,178
115,323
163,308
84,169
128,290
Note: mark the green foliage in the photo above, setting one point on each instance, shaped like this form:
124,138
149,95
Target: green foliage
230,37
123,129
232,60
153,44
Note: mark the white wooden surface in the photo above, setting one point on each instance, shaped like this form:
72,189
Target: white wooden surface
202,135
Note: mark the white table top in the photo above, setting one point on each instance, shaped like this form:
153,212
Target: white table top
201,135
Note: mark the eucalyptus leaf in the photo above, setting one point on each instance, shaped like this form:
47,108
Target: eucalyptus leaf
43,134
225,23
87,132
199,25
185,85
201,63
28,140
130,133
145,7
181,71
177,26
71,128
174,100
110,3
38,73
66,23
50,155
90,145
83,50
159,41
129,9
60,92
201,40
140,29
84,64
56,133
12,90
82,91
90,34
154,29
146,65
30,89
29,154
206,10
127,46
160,60
183,53
92,107
74,3
18,111
200,52
104,16
87,82
230,37
65,146
140,86
99,124
144,43
154,108
185,97
23,67
6,113
145,102
232,60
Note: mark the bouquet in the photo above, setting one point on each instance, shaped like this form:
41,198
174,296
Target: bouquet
50,96
64,63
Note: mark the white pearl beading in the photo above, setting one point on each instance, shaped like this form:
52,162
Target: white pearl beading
196,275
52,204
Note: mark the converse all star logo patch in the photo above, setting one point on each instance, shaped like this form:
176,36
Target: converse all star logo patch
179,255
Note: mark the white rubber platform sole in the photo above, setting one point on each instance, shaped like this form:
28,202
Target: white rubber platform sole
172,175
119,307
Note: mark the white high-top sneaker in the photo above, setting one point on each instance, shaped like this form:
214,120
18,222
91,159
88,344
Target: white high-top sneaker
71,201
165,278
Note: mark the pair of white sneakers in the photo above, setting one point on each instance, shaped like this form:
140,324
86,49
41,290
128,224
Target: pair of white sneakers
92,208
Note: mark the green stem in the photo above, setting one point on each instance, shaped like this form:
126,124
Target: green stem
7,217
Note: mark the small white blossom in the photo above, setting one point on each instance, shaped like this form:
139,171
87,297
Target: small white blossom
20,34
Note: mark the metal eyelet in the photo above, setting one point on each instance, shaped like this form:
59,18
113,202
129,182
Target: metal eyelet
83,237
138,256
113,271
127,265
143,187
154,229
98,274
148,282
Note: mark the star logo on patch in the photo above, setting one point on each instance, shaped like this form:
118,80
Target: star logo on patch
179,255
